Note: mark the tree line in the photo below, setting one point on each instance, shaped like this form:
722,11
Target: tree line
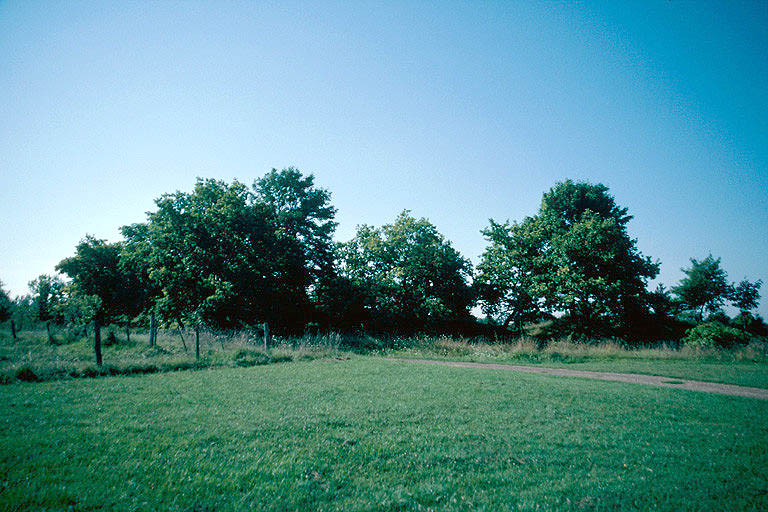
228,256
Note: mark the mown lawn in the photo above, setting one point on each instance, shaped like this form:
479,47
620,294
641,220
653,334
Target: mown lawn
741,373
368,433
743,366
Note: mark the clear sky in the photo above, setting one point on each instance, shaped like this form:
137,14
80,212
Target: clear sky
460,112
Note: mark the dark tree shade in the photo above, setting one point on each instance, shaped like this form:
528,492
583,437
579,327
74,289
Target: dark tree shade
6,305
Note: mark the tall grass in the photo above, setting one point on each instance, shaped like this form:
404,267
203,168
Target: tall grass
33,357
534,350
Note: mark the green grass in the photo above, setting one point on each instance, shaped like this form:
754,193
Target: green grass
372,434
744,366
32,358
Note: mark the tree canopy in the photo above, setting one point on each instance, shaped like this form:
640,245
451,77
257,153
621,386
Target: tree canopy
47,295
574,257
95,272
704,288
219,257
409,276
227,255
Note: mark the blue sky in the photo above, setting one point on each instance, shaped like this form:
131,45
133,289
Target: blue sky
460,112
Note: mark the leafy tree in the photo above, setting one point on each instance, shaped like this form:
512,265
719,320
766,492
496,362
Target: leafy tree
135,263
95,271
219,257
303,212
503,284
410,276
746,296
78,310
575,257
704,288
24,312
47,294
6,305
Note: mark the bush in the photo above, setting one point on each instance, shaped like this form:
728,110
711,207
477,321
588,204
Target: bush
754,325
715,334
110,340
26,374
247,357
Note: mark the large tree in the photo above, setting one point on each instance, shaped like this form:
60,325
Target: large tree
97,281
411,278
303,212
745,296
502,283
219,257
135,263
704,288
574,257
47,294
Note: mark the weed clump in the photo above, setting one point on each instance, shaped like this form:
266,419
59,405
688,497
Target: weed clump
246,357
26,374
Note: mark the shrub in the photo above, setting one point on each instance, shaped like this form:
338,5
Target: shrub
715,334
247,357
755,325
111,339
26,374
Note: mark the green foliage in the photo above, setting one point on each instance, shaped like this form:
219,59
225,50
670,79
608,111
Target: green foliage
303,212
503,286
219,257
47,295
704,288
409,276
575,256
753,324
715,334
135,262
79,309
24,311
746,296
95,272
6,305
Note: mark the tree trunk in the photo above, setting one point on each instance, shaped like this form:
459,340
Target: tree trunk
13,330
267,336
179,326
97,341
197,342
51,340
128,331
152,329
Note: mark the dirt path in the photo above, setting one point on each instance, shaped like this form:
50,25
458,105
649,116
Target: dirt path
635,378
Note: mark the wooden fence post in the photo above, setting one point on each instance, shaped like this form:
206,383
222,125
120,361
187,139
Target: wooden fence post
267,337
197,342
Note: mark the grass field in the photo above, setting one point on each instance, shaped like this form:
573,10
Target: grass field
744,366
32,357
372,434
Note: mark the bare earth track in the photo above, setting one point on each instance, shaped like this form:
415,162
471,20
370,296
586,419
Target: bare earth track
634,378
